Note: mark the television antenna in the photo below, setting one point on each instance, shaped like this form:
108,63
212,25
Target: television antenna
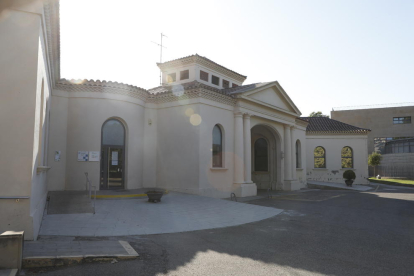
161,46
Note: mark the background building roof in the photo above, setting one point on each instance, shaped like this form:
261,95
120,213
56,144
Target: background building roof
327,125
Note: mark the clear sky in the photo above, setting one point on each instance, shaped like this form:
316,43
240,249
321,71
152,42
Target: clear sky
324,53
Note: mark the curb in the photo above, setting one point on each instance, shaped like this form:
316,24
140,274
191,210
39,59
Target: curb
52,261
122,196
391,183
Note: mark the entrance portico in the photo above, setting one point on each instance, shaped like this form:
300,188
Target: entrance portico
277,168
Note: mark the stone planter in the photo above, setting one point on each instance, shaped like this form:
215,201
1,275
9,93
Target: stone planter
349,182
154,196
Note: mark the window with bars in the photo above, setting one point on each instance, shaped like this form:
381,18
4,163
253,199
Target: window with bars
226,84
217,147
347,158
400,146
298,155
215,80
203,75
261,155
319,157
402,120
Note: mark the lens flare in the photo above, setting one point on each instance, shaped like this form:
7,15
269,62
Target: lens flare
178,90
77,81
195,119
189,112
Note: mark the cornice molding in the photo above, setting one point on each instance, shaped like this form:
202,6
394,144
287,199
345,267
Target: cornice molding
52,22
170,95
197,59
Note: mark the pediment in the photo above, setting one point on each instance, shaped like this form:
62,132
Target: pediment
272,96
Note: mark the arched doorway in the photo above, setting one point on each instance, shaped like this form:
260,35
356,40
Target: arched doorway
265,157
112,155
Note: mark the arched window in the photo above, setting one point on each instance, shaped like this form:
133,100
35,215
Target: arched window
298,155
261,158
347,157
113,133
319,157
217,147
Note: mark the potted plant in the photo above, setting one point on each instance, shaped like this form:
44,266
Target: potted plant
154,196
349,176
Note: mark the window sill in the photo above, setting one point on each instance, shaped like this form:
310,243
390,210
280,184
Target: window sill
41,169
218,169
299,169
345,169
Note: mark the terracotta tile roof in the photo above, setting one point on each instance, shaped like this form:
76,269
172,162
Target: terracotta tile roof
327,125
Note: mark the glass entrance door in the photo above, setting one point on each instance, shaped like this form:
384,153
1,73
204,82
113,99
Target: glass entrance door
112,168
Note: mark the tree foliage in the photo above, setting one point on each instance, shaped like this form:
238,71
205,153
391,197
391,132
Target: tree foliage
349,175
374,159
318,114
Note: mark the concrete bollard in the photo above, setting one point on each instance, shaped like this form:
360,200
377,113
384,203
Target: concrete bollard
11,249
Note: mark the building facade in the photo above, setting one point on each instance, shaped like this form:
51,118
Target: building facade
392,135
203,131
334,147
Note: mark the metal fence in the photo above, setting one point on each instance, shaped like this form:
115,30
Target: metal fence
396,170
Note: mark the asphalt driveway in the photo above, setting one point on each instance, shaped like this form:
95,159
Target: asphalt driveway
320,232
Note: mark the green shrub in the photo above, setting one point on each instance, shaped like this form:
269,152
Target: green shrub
349,175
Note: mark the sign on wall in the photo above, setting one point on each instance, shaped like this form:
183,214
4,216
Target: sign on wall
94,156
57,155
83,155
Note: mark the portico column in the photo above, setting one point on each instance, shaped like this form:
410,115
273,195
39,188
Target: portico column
288,152
247,149
238,148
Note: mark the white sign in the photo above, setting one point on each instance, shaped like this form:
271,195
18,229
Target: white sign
83,155
94,156
57,155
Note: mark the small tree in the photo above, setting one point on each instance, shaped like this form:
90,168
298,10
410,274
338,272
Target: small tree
318,114
374,159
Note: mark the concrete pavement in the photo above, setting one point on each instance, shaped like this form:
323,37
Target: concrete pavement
175,213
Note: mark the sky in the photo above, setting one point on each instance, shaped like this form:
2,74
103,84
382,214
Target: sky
324,53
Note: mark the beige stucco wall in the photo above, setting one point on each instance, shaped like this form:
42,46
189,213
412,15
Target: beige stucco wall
333,145
216,182
178,147
24,69
86,113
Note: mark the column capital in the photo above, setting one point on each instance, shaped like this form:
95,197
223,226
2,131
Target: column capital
247,115
238,114
289,126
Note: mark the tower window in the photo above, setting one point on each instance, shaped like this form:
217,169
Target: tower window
226,84
171,77
215,80
184,75
203,75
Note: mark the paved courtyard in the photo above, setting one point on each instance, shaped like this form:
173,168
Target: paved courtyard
325,232
175,213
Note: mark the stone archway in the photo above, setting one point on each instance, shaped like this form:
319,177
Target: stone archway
266,158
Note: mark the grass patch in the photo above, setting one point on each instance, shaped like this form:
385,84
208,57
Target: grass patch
392,181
